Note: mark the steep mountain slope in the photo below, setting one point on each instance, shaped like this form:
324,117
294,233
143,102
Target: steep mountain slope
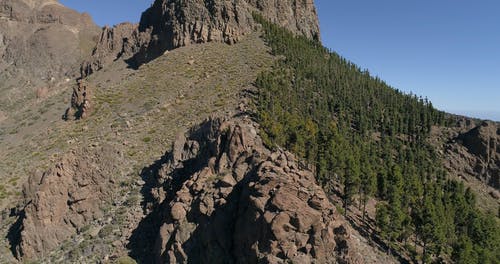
127,123
137,113
170,24
41,45
369,141
359,176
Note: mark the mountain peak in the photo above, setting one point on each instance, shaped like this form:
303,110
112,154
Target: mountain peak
175,23
170,24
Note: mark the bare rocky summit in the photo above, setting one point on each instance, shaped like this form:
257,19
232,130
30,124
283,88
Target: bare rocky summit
174,23
169,24
223,197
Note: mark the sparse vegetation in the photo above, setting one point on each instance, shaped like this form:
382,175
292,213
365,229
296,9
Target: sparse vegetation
106,231
120,100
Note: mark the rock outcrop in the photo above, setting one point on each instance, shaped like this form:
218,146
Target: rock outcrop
121,41
64,199
81,102
476,153
174,23
223,197
169,24
41,41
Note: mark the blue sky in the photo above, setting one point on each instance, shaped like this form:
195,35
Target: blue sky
447,50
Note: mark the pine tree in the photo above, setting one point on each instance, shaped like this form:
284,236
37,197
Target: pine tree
395,191
332,114
368,186
351,181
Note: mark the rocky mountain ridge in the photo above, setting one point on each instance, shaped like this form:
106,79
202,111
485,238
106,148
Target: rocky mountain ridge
169,24
220,195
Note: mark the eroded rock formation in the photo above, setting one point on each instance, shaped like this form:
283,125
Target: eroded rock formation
169,24
81,102
225,198
65,198
175,23
121,41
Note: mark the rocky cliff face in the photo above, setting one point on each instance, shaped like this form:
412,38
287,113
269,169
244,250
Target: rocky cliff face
222,197
175,23
169,24
476,152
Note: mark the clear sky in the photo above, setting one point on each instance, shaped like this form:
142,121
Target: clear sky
447,50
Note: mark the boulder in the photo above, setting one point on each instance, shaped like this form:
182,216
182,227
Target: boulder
62,200
262,215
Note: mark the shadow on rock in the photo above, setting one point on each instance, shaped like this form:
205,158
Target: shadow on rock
220,196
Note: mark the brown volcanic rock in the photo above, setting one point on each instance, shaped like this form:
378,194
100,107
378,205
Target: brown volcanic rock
482,141
224,198
174,23
41,41
298,16
476,152
121,41
169,24
81,102
64,199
